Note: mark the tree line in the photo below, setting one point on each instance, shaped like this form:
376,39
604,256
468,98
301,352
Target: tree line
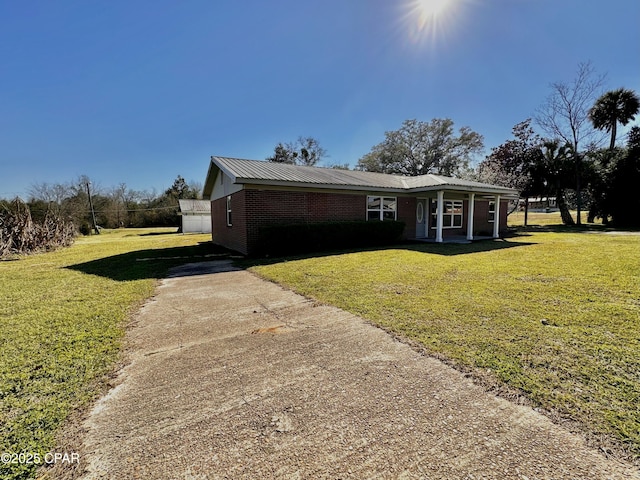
80,202
568,160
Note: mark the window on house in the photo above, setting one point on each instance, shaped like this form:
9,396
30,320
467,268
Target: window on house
451,214
492,212
229,223
381,208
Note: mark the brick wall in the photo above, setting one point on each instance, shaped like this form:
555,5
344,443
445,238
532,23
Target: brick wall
406,212
235,236
481,224
504,210
268,207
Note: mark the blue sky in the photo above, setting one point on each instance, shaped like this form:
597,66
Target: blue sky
140,91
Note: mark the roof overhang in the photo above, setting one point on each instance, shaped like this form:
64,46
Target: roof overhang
503,192
212,173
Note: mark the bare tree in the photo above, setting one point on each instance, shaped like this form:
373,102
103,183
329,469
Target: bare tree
52,193
148,196
197,188
565,115
118,200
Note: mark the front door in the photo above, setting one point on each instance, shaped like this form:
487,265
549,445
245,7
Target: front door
421,218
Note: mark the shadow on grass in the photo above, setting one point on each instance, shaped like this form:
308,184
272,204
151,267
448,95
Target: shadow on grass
151,234
466,248
430,248
584,228
150,263
155,263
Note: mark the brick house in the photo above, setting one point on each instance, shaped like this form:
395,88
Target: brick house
246,195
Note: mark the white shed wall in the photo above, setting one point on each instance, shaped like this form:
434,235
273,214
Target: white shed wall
196,223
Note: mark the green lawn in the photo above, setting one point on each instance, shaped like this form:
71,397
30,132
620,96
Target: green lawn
555,316
62,319
516,219
63,314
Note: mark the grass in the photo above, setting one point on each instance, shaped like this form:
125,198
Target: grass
62,320
481,306
516,219
555,317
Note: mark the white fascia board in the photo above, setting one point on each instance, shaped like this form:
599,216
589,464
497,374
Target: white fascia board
507,193
229,174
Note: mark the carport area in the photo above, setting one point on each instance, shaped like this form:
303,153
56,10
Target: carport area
231,376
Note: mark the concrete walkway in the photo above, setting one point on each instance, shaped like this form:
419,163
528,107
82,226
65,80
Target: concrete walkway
234,377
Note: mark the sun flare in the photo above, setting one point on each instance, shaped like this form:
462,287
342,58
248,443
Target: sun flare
426,20
431,8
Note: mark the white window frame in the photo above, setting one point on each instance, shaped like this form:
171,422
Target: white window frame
229,219
448,219
380,210
492,211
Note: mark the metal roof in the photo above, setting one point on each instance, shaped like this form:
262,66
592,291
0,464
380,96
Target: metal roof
262,170
271,173
194,206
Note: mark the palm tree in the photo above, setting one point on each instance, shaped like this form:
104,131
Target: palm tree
556,169
619,105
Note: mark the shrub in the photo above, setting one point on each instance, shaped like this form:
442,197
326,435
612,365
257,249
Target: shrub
286,239
20,234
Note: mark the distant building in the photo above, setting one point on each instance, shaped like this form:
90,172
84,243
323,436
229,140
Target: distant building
539,204
196,216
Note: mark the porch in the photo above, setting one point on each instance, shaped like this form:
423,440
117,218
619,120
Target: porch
459,216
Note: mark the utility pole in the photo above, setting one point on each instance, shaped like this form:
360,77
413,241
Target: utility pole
93,214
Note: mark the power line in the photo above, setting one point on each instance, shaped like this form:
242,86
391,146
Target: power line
137,209
128,210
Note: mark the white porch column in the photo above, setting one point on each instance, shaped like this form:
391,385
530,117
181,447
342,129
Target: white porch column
470,213
496,219
439,216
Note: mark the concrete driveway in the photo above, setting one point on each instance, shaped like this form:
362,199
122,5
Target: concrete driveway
231,376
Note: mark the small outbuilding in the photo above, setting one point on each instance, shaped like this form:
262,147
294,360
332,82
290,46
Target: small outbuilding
538,204
247,195
196,215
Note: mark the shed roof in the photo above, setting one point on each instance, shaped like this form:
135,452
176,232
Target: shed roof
195,206
271,173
